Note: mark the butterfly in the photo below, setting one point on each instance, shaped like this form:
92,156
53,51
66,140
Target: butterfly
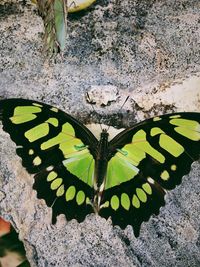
76,174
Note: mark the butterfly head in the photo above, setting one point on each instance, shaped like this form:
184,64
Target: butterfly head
104,134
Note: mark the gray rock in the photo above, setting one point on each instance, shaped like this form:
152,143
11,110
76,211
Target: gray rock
143,49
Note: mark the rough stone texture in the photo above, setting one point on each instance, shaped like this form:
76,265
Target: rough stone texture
147,49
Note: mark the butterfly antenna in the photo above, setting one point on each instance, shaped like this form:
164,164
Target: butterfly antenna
124,103
94,109
120,109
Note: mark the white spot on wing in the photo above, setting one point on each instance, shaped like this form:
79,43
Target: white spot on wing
49,168
150,180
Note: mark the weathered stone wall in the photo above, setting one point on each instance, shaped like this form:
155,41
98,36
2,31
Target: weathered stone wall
147,49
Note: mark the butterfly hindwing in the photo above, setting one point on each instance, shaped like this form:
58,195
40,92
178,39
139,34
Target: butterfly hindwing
67,195
145,160
132,202
55,147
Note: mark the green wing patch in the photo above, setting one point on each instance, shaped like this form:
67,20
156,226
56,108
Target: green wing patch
120,169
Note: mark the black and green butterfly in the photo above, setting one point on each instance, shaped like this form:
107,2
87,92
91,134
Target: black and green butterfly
76,174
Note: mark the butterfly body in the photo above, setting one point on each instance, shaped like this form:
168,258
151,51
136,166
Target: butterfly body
125,178
100,169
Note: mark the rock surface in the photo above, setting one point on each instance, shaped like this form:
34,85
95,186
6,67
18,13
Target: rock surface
146,49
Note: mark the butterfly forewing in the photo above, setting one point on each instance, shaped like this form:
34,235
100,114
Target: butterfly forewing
59,150
163,147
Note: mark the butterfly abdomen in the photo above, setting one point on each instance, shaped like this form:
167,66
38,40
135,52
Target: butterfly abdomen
100,168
